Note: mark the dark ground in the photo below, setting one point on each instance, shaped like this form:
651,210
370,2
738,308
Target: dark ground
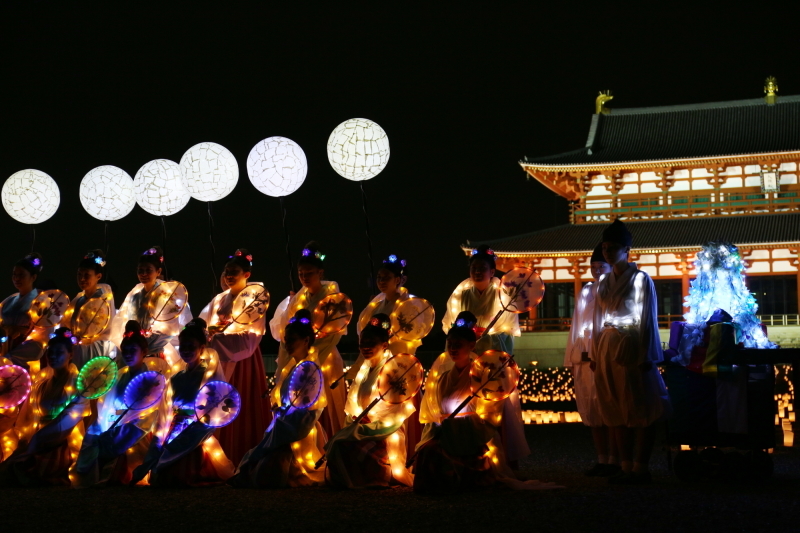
560,453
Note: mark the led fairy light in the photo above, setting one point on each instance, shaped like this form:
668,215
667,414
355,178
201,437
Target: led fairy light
277,167
106,193
159,189
30,196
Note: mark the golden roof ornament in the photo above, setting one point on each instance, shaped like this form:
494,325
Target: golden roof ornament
771,90
600,103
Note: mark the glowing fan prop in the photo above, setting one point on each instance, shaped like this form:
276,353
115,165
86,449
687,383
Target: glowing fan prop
413,319
304,386
400,378
106,193
521,289
167,301
93,318
96,377
30,196
332,314
217,404
48,308
143,391
15,386
248,306
493,376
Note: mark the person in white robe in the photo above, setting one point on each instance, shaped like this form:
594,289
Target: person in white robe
479,294
93,328
161,334
631,395
578,358
310,271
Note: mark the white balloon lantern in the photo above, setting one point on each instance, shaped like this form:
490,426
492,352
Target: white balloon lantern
106,193
358,149
277,166
209,171
158,188
30,196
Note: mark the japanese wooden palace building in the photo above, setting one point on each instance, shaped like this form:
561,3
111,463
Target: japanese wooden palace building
679,176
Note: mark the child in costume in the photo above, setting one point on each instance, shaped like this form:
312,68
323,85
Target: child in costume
578,358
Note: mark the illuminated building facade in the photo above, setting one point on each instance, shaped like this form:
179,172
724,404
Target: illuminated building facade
679,176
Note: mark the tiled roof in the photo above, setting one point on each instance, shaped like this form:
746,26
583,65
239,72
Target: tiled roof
689,131
688,232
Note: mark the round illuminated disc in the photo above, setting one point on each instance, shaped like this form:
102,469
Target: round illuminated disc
521,290
93,318
332,314
209,171
106,193
30,196
413,319
400,378
358,149
144,390
48,308
167,300
15,386
96,377
217,404
158,188
484,371
277,166
304,386
250,304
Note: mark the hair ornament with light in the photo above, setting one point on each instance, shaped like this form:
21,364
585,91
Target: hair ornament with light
488,251
394,260
308,253
153,251
238,253
129,334
302,320
65,333
97,258
33,260
463,323
383,324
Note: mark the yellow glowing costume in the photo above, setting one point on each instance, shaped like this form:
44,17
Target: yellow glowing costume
329,358
373,452
291,446
50,431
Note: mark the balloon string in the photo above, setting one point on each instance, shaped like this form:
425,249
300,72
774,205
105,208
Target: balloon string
105,238
288,254
33,242
164,246
213,250
369,241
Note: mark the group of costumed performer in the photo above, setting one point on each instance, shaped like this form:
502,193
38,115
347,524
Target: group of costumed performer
160,333
625,349
184,451
479,294
240,357
467,450
311,271
50,424
371,451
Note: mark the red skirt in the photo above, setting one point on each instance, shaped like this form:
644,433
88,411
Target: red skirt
255,415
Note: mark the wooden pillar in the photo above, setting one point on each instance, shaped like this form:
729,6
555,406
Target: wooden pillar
578,269
684,268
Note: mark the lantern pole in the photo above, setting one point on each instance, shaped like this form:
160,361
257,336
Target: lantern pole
369,240
288,253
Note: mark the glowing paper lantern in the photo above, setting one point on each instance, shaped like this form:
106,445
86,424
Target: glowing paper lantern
159,189
107,193
209,172
277,166
358,149
30,196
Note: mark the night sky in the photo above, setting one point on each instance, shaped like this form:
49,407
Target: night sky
463,93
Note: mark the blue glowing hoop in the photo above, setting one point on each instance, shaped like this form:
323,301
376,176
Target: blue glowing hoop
217,404
145,390
305,386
